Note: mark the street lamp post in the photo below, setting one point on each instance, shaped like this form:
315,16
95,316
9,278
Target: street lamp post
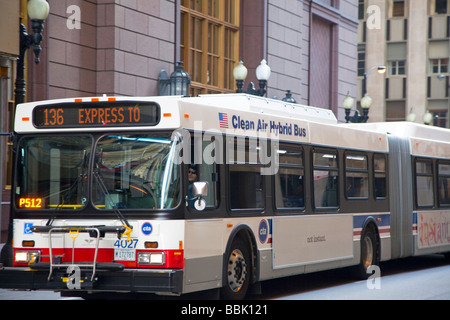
348,102
289,98
366,101
262,74
38,11
380,69
178,82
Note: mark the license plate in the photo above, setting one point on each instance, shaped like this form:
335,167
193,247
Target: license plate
124,254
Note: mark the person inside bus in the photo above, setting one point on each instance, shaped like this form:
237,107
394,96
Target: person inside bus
192,177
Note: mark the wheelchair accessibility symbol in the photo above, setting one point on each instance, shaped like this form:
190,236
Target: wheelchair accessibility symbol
27,228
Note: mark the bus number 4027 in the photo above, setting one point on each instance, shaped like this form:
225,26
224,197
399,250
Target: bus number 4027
124,244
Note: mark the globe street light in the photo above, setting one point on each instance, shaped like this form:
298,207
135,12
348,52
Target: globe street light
348,102
262,74
427,118
240,73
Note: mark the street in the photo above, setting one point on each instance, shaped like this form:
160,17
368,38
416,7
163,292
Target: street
419,278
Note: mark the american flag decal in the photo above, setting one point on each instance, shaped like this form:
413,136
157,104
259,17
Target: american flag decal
223,120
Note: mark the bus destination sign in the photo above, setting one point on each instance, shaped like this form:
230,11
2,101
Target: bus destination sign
96,114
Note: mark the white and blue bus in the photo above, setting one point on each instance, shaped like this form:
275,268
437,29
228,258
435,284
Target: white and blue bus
173,195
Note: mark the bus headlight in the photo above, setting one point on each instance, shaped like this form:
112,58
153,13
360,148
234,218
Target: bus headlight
26,256
151,258
21,257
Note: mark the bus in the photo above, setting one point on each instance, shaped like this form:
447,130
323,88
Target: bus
175,195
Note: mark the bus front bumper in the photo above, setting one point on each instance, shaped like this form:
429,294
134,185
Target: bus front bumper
128,280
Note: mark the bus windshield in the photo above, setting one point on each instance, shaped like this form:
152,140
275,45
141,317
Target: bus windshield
128,172
136,172
52,172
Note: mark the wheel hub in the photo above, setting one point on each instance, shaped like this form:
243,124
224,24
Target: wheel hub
237,270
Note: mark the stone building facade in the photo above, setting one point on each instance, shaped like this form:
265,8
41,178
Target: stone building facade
411,38
119,47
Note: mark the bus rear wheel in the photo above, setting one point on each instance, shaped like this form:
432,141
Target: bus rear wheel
369,253
237,271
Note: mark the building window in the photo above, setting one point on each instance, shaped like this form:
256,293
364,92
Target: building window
361,10
209,43
398,9
331,3
361,62
439,66
395,111
397,67
323,91
439,118
441,6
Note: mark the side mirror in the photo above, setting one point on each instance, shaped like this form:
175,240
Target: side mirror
200,190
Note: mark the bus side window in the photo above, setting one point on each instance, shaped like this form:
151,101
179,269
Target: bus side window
246,187
326,182
206,155
356,176
289,180
424,183
379,166
246,183
444,183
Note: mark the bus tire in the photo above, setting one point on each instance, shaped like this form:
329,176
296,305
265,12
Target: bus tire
447,256
369,253
237,271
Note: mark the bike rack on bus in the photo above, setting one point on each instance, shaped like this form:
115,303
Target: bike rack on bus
94,231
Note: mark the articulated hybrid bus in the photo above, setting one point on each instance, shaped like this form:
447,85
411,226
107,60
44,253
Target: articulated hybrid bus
173,195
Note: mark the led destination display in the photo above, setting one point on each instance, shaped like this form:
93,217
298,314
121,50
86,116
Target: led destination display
120,113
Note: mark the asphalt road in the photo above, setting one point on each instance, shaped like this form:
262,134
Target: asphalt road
419,278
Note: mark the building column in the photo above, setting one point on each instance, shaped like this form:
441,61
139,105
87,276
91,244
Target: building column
416,99
376,56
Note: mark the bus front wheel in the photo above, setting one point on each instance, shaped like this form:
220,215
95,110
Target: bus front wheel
237,271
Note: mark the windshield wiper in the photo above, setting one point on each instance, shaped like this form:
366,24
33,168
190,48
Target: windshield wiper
116,210
67,192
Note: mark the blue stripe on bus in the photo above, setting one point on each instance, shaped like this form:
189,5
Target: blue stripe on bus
382,220
414,218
